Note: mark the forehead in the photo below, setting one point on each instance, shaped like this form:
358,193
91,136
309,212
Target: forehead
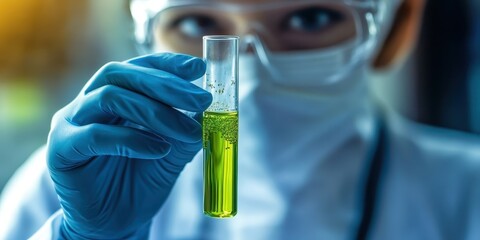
232,1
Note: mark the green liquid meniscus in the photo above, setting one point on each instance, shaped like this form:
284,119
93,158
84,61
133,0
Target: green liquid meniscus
220,152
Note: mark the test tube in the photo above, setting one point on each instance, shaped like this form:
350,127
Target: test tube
220,126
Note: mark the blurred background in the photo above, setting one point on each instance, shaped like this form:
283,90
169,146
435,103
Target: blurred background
50,48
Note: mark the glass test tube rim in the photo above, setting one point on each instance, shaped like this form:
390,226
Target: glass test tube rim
220,37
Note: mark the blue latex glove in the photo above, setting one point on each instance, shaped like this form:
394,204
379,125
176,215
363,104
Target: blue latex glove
115,152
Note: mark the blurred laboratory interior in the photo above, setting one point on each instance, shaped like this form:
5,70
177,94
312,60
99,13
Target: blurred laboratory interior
50,48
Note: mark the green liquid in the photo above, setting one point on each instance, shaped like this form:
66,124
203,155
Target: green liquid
220,148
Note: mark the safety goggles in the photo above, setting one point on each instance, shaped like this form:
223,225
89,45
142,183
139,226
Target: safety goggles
306,35
281,26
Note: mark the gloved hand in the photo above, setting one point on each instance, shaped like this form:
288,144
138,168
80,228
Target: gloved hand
115,152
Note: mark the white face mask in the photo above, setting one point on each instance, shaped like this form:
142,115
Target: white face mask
283,119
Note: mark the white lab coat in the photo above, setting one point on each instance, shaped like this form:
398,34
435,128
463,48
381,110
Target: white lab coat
429,189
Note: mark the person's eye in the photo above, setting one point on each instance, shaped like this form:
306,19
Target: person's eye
311,20
196,26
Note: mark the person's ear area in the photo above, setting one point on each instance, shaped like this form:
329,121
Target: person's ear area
403,34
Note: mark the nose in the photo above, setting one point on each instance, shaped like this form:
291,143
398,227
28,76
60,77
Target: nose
247,44
250,40
252,44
